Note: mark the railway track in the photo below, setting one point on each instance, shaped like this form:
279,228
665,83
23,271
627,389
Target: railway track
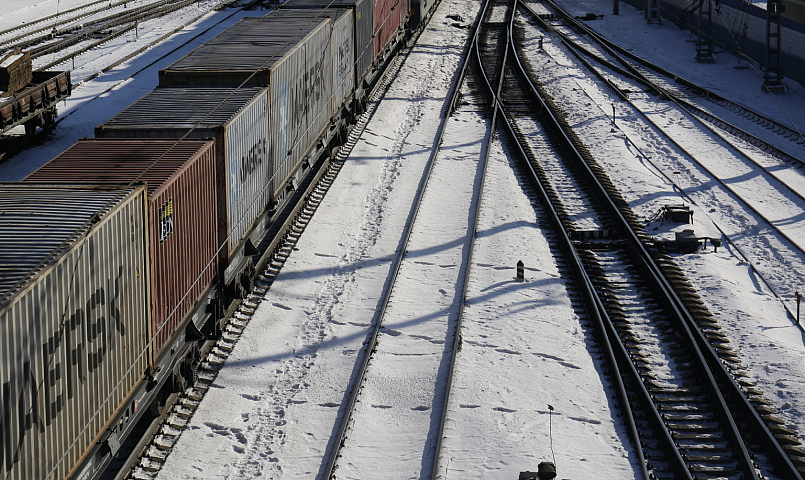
763,178
629,81
411,348
100,32
692,412
785,142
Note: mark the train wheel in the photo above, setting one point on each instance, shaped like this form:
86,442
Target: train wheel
246,282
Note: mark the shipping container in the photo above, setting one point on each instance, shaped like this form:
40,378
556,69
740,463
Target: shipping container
243,55
73,320
363,17
236,119
342,44
293,57
389,15
182,218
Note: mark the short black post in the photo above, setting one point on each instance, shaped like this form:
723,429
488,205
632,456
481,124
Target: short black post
520,271
799,299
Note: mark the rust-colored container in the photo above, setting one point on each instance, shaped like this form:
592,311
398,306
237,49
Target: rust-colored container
180,178
389,15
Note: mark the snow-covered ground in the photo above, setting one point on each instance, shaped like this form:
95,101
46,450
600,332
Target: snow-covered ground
754,319
274,406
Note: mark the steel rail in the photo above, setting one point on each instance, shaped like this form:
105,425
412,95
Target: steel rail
598,311
686,83
688,324
711,363
370,345
52,26
725,185
469,253
128,23
688,108
569,44
85,31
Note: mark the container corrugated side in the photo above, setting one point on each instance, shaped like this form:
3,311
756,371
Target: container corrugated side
364,37
240,129
182,214
74,328
301,87
342,46
387,21
363,28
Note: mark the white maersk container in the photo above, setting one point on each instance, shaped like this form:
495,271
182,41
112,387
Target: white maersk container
293,58
342,42
74,320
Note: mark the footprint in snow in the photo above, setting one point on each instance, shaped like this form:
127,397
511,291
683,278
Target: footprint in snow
298,402
504,410
469,406
549,357
393,333
381,406
585,420
506,350
279,305
421,408
569,365
253,398
330,404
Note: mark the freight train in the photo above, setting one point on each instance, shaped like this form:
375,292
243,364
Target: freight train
120,258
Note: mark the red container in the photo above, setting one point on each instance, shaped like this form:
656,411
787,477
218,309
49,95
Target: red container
181,214
388,16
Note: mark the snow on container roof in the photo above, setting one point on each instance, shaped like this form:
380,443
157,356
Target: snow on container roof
41,221
247,51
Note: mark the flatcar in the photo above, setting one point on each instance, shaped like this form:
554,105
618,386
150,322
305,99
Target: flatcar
121,256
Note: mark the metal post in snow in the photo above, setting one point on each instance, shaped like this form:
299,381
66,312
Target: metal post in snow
613,114
799,299
520,271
